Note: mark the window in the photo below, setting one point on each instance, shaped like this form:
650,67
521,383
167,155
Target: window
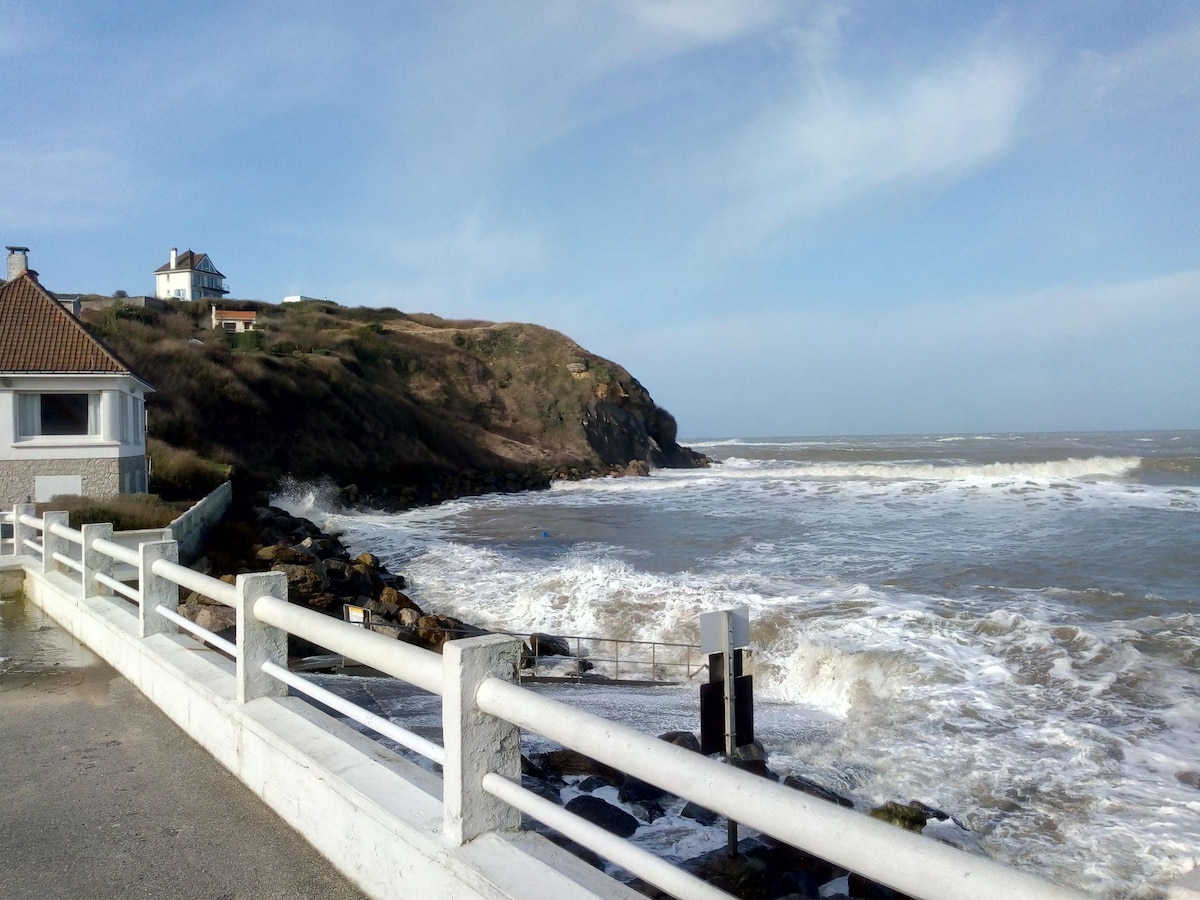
58,414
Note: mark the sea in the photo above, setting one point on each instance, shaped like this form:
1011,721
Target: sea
1000,626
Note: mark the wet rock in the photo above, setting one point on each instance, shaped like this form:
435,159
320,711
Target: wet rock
549,645
601,812
906,817
285,554
699,814
684,739
570,762
304,582
634,790
813,789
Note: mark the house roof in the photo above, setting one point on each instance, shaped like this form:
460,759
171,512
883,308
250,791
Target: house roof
38,335
188,260
235,315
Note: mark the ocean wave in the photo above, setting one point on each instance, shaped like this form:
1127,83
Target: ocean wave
1092,468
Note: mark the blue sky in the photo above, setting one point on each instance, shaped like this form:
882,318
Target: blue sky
782,217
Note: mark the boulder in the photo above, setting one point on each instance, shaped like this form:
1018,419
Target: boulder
409,617
800,783
389,595
304,582
549,645
570,762
285,554
684,739
907,817
700,814
634,790
602,813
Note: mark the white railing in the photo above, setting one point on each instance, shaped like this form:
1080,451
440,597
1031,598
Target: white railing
483,711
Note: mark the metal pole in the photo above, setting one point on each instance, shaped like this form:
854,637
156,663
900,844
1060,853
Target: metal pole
730,727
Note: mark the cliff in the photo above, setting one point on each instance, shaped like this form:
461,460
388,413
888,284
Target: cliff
405,407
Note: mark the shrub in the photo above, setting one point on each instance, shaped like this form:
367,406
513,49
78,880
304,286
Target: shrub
181,474
127,512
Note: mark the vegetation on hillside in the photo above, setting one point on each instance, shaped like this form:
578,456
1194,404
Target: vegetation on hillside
381,399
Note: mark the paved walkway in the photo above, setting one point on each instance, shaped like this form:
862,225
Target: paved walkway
101,796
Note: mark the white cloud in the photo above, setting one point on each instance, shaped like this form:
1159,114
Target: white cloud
838,142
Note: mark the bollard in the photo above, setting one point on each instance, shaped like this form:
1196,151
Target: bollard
475,742
94,561
52,543
22,533
258,642
155,590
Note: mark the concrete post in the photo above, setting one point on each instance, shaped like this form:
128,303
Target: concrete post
22,533
52,543
94,561
258,642
156,590
475,742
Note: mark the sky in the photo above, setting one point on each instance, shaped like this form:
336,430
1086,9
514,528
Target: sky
782,217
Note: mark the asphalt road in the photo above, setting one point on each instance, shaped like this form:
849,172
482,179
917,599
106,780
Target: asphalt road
102,796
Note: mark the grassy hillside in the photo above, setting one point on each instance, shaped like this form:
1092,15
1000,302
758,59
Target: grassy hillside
393,403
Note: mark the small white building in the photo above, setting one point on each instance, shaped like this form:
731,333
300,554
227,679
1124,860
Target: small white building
72,413
189,276
234,321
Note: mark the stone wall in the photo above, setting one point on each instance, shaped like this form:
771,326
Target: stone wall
101,477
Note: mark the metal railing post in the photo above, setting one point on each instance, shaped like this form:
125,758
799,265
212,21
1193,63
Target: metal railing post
51,542
475,742
258,642
94,561
156,591
22,533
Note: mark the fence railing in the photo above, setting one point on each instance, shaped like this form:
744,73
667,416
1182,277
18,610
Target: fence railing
483,711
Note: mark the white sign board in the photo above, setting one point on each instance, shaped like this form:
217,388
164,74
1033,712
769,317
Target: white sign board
713,627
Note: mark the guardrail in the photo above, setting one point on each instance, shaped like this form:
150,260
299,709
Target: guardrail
483,712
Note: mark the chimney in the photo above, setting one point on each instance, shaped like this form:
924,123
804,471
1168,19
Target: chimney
18,261
174,254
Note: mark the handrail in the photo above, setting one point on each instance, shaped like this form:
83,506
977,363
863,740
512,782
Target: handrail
390,656
210,587
65,531
32,522
116,551
67,561
882,852
631,857
386,727
123,589
191,627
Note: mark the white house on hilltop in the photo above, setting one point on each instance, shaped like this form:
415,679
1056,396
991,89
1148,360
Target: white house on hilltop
189,276
72,414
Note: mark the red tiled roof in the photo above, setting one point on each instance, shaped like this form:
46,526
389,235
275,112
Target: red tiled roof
38,335
187,260
236,315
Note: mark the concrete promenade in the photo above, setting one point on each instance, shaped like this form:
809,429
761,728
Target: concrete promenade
102,796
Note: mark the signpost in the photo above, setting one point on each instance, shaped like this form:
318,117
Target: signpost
723,635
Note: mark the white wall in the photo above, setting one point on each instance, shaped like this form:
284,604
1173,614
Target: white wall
106,445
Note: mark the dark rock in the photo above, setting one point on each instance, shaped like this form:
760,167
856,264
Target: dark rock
700,814
813,789
304,582
684,739
285,554
647,812
752,758
542,788
570,762
906,817
592,783
602,813
549,645
634,790
1191,779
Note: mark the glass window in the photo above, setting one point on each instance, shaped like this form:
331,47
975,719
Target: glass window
58,414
